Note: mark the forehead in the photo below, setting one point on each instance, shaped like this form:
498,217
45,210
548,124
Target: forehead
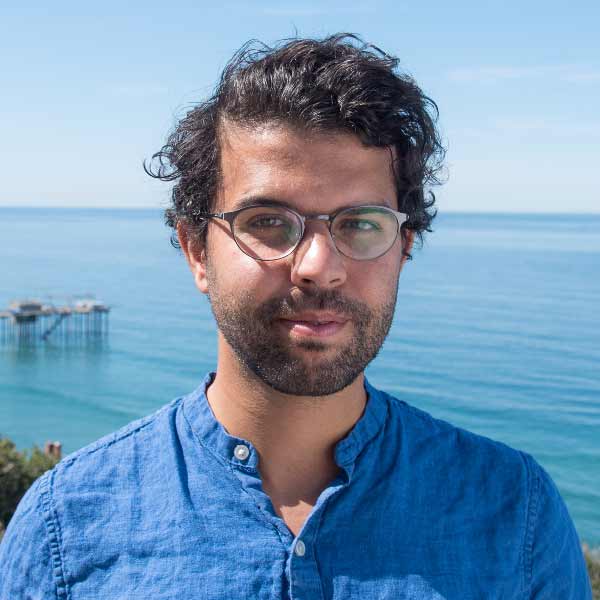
308,170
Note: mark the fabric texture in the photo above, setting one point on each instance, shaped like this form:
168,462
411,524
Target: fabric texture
167,508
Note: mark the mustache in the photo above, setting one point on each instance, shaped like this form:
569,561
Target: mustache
323,300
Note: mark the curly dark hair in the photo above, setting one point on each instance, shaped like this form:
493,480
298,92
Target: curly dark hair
339,83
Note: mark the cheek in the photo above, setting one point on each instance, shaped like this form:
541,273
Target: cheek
380,273
377,283
232,271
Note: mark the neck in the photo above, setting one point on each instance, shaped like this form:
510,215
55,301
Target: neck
295,436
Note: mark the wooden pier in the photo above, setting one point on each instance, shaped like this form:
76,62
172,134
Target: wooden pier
33,321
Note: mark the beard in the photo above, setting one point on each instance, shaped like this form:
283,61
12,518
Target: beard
300,367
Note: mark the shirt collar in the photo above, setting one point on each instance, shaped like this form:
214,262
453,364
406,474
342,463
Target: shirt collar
212,435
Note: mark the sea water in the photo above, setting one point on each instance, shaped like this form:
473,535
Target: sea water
497,329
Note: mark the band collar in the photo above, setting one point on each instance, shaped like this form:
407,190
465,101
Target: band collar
212,435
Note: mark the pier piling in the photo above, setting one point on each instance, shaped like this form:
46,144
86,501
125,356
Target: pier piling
32,321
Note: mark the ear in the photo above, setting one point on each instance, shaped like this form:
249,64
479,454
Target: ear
408,238
195,254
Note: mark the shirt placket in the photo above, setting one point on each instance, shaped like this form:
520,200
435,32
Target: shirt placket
302,572
302,568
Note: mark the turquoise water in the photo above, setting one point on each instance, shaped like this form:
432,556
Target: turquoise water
497,329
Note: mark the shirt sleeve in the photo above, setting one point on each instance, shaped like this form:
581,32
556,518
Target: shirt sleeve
25,556
556,567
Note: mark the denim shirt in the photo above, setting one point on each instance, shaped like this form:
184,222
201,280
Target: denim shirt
171,506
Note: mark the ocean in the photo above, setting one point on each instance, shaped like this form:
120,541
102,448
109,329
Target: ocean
497,329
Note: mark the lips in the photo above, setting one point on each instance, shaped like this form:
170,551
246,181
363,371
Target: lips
317,317
315,324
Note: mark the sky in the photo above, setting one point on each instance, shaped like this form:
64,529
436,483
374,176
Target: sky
90,90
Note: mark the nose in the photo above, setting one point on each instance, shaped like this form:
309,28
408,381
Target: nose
316,261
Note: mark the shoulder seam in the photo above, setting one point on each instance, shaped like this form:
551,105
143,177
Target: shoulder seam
533,481
442,424
419,413
146,421
54,536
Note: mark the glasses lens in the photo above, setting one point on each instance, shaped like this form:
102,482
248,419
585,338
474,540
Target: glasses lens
266,232
365,232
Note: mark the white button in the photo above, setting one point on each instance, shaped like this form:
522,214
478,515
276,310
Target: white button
300,548
241,452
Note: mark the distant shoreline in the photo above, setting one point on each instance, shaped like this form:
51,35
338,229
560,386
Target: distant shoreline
442,212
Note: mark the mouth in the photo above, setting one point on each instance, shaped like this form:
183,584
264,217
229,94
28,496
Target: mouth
321,325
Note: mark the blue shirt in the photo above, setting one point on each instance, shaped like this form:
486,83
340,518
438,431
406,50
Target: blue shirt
171,506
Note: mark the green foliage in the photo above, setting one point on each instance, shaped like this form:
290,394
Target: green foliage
18,470
592,560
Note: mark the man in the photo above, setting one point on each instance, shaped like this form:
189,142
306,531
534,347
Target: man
299,189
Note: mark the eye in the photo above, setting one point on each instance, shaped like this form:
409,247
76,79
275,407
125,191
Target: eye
359,225
268,221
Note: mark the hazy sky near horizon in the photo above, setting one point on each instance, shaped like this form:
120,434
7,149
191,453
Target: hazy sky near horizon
90,90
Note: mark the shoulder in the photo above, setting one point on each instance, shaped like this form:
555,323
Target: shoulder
114,458
120,438
455,468
77,499
424,435
462,468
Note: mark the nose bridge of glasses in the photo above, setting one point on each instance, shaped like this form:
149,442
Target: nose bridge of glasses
311,235
317,218
326,219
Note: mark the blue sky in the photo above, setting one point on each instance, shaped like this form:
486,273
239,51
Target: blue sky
91,89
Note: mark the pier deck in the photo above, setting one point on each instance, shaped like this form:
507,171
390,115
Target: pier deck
32,320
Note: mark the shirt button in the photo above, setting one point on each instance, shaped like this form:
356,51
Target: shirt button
299,548
241,452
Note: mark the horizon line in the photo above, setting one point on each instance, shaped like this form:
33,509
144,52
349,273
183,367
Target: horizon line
440,211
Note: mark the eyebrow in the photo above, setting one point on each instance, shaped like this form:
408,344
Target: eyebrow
262,201
247,201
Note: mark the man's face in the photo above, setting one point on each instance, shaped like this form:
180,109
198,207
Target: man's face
309,323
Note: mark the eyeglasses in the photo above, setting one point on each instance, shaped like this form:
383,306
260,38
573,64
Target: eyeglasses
266,232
